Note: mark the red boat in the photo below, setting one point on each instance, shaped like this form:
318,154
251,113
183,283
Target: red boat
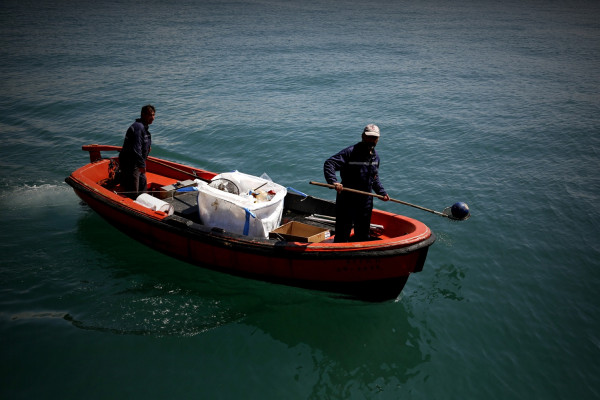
374,270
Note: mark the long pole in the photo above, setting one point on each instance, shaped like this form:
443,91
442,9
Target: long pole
327,185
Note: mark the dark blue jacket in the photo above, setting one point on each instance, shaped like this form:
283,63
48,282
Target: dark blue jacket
136,146
358,169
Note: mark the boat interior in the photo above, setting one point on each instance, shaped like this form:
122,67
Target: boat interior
304,209
297,207
186,205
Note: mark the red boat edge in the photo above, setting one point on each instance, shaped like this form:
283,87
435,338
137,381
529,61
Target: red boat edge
374,270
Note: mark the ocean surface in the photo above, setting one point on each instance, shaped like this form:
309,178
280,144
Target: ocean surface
494,103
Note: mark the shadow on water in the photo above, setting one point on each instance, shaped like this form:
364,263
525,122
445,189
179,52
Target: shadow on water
347,345
444,283
143,292
351,347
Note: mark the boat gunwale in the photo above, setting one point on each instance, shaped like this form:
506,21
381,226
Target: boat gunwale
239,243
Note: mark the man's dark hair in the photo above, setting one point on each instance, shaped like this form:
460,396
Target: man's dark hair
147,109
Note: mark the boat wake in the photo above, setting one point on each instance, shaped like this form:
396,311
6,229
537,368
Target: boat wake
158,314
36,195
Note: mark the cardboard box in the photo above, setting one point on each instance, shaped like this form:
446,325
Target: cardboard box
299,232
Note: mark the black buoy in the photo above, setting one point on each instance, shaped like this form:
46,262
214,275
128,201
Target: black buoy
460,210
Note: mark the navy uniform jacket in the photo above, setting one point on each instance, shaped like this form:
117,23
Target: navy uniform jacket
135,147
358,170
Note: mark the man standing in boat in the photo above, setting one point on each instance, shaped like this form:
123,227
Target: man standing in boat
136,147
359,167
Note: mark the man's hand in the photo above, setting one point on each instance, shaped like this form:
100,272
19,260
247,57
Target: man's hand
385,198
338,187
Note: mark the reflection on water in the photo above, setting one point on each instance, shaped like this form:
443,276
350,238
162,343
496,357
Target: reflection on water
444,283
351,347
141,291
354,347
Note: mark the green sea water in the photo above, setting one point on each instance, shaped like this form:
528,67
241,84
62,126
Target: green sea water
491,103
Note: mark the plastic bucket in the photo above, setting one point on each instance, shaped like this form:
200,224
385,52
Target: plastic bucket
154,204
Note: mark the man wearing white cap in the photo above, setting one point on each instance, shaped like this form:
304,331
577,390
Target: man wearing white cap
359,169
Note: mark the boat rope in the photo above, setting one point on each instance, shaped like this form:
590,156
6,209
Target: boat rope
192,173
150,192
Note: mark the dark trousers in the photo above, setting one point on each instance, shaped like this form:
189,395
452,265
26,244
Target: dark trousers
133,182
354,210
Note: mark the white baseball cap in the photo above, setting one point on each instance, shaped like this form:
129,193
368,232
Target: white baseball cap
371,130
